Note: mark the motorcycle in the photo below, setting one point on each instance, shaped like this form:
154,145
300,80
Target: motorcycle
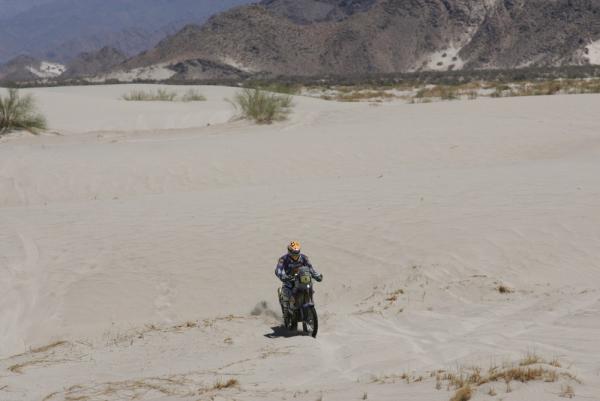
302,306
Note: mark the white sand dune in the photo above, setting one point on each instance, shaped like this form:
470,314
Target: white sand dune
143,238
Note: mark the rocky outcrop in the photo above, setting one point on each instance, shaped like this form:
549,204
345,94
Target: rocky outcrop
94,63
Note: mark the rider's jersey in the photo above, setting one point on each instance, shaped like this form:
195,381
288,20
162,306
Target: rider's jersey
287,265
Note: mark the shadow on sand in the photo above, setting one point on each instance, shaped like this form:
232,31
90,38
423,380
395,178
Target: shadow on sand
280,331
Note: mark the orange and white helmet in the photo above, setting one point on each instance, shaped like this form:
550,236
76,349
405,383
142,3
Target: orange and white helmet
294,248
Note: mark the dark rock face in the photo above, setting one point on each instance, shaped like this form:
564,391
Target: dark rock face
310,11
205,69
94,63
538,32
17,69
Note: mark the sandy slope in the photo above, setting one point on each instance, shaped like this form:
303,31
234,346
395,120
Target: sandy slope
141,218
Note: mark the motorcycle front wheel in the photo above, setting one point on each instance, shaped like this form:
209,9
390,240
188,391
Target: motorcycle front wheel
310,325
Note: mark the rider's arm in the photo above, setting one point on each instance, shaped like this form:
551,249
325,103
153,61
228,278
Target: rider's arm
315,274
280,269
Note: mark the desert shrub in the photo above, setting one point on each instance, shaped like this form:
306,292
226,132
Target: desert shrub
193,95
145,96
20,113
448,93
463,394
443,92
276,87
357,96
503,289
500,91
220,385
262,107
421,93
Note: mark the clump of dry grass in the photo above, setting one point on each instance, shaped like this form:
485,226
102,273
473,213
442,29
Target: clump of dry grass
503,289
160,95
463,394
360,95
472,94
220,385
173,386
467,380
443,92
530,368
555,362
48,347
39,359
20,113
18,367
531,358
393,297
262,107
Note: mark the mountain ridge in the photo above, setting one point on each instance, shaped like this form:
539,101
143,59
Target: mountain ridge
384,36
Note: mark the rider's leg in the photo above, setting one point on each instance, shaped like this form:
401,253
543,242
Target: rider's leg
285,298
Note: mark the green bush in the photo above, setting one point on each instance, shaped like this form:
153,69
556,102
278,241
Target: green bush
20,113
262,107
162,95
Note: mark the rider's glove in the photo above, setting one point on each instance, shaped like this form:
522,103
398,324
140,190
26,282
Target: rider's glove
288,279
319,278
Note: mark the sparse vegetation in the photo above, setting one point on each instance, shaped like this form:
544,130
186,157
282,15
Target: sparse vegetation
18,367
393,297
359,95
463,394
531,358
193,95
219,385
502,289
530,368
20,113
555,362
443,92
275,87
172,386
162,95
467,380
262,107
426,90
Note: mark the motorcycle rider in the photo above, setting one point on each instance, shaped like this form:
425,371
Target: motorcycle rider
286,267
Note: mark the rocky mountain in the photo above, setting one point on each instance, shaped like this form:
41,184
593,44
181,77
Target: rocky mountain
25,68
59,30
90,64
317,37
